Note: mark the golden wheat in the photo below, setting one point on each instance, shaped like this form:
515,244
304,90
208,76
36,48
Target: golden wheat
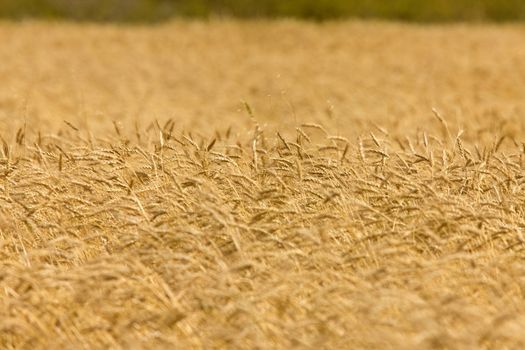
368,194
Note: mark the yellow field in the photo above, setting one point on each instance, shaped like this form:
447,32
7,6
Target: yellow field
262,185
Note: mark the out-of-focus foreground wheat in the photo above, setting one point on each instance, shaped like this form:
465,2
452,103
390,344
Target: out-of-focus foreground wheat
369,194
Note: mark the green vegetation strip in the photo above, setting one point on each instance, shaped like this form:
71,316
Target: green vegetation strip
158,10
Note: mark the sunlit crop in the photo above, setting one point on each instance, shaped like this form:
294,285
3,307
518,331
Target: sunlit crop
262,185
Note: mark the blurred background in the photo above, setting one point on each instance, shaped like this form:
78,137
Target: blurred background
159,10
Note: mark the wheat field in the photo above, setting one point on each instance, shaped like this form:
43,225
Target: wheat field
262,185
